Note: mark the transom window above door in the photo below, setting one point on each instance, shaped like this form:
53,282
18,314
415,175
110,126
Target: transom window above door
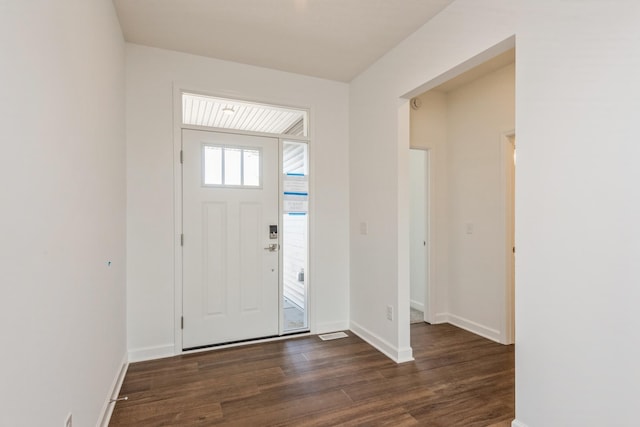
222,113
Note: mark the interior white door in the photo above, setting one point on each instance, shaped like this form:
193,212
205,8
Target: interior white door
230,260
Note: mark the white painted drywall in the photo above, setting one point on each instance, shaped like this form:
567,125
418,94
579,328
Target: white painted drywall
418,172
378,174
151,74
463,127
62,306
478,114
577,210
577,101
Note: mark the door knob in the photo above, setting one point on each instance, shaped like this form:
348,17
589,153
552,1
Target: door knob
273,247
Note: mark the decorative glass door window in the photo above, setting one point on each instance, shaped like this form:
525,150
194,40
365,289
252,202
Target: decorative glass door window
226,166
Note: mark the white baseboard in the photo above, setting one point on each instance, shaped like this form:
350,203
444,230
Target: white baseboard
516,423
440,318
417,305
471,326
169,350
397,355
107,408
405,354
150,353
324,328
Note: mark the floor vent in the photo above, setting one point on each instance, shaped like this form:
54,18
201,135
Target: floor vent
333,336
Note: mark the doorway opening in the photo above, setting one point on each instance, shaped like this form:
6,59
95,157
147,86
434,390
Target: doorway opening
243,221
419,235
464,122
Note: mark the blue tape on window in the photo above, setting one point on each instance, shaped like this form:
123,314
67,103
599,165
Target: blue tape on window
297,213
295,193
295,174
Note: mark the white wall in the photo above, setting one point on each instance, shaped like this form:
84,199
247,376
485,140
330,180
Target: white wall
577,279
151,74
62,307
378,174
468,156
478,114
577,210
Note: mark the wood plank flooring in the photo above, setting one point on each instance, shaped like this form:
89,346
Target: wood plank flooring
457,379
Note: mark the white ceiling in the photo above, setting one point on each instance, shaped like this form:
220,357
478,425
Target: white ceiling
332,39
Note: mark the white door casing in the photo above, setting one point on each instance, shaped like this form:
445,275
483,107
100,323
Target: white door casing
230,281
510,164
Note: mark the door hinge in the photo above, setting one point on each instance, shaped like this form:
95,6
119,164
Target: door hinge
181,322
514,249
182,240
181,158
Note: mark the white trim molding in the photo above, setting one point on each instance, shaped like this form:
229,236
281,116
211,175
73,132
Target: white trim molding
507,182
417,305
471,326
398,355
440,318
516,423
107,407
151,353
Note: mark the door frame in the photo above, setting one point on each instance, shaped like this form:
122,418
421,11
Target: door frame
507,147
209,329
178,127
427,303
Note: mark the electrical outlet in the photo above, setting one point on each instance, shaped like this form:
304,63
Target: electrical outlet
389,312
69,421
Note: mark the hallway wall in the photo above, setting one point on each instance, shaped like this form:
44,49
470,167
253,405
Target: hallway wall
62,222
478,114
379,117
577,210
467,155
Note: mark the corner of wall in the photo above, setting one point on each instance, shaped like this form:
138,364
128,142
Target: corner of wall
471,326
108,406
398,355
150,353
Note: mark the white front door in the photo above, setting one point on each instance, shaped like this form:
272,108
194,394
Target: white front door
230,258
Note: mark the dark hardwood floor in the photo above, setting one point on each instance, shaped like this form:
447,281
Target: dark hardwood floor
457,379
